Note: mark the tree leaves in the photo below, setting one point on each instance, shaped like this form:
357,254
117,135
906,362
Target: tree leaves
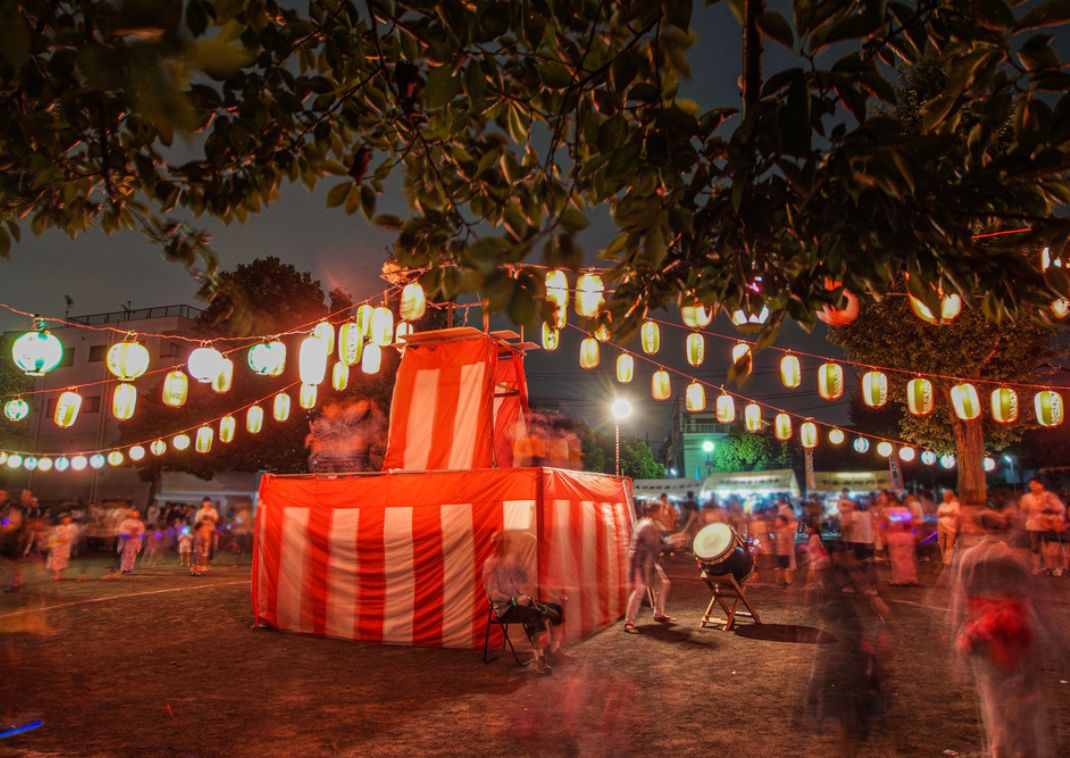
1051,13
776,27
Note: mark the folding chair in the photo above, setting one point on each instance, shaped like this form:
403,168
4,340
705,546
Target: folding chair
493,620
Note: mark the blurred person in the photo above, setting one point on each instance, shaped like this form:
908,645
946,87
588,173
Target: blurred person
899,535
817,554
60,543
947,525
665,514
154,545
152,515
644,571
208,513
785,509
12,540
185,545
783,538
1039,507
131,530
203,533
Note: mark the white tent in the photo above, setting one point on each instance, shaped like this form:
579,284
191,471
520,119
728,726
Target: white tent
854,481
676,489
750,483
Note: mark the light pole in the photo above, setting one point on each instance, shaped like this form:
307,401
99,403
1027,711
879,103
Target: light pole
707,448
621,410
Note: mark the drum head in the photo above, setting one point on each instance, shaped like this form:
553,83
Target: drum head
713,542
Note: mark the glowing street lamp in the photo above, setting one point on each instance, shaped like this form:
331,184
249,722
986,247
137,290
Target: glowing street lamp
621,410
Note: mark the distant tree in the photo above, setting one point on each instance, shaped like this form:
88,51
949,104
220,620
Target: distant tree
597,452
747,451
637,461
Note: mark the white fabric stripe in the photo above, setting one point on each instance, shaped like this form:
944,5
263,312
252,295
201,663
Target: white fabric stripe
292,569
589,563
342,576
400,578
517,515
605,513
467,425
459,575
421,421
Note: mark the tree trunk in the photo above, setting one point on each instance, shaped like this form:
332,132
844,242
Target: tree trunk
970,459
752,52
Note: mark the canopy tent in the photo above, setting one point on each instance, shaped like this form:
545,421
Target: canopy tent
854,481
397,558
676,489
750,483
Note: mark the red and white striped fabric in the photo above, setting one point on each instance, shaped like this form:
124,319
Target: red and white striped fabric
398,558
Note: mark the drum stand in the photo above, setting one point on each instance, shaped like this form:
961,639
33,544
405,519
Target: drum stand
725,588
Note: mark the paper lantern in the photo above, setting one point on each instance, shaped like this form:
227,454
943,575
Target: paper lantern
885,449
746,318
227,425
1004,402
97,461
602,333
79,462
695,315
808,434
1047,261
752,417
17,409
660,385
741,355
280,407
413,302
124,401
625,368
947,461
204,364
382,326
950,308
1049,408
127,360
3,457
339,376
920,400
589,355
67,406
726,409
267,358
372,359
136,453
62,463
306,398
875,389
350,343
1060,307
254,419
44,464
180,442
989,463
861,444
324,330
14,460
157,447
551,337
695,397
650,337
115,458
907,454
928,457
557,293
365,314
965,401
836,436
175,388
790,372
839,316
37,352
590,295
402,331
29,463
782,426
312,361
830,381
225,378
205,435
696,349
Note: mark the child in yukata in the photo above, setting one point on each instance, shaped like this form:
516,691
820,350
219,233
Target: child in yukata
185,546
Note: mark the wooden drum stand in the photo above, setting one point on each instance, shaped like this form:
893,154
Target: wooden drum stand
725,588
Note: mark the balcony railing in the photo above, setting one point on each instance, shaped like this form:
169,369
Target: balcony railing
138,314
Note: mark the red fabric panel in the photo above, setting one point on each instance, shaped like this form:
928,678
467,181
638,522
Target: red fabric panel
317,551
372,589
449,395
400,407
509,377
580,592
269,554
487,518
603,532
427,560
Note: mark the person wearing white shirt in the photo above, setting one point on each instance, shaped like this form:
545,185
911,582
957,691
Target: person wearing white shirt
1045,517
947,525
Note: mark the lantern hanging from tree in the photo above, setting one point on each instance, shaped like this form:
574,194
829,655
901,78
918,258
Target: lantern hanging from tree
839,316
1060,307
602,333
205,435
782,426
44,464
875,389
280,407
808,434
115,458
413,302
947,461
836,436
920,396
79,462
1049,408
63,463
339,376
175,388
590,295
650,337
861,444
907,454
885,449
402,332
365,314
127,360
557,293
324,330
225,378
790,371
350,343
744,318
227,425
204,364
14,460
726,409
307,396
752,417
157,447
372,359
551,337
180,442
17,409
950,308
989,463
267,358
695,315
312,361
254,419
830,381
124,401
1004,402
589,356
695,397
37,352
382,326
136,453
30,463
696,349
625,368
741,355
67,407
965,401
928,457
660,385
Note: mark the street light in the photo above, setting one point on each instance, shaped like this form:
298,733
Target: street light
707,448
621,410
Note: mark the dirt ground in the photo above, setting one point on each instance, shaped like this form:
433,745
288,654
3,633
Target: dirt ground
162,663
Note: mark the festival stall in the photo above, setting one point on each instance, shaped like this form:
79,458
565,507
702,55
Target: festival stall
854,481
758,483
676,489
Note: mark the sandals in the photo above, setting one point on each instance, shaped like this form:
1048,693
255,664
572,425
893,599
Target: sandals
664,619
630,628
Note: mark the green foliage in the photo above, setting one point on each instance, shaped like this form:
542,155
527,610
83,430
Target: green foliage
637,461
597,453
12,434
746,451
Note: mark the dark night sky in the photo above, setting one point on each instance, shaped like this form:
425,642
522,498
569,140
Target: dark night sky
101,273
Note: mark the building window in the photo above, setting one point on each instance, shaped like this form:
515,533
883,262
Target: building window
91,404
168,349
68,357
97,353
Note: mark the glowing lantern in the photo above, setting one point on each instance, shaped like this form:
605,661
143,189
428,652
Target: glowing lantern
14,460
267,358
324,330
280,408
413,302
790,372
307,396
602,333
403,330
180,442
372,359
339,376
1004,403
965,401
743,318
227,425
3,456
44,464
752,417
861,444
650,337
97,461
741,355
225,378
839,316
589,295
124,401
136,453
589,356
836,436
989,463
907,454
37,352
158,447
127,360
950,308
205,435
205,364
350,343
1046,261
115,458
660,385
79,462
365,314
808,434
696,315
1060,307
782,426
625,368
726,409
551,337
29,463
175,388
928,457
885,449
312,363
695,397
17,409
254,419
947,461
875,389
696,349
1049,408
67,407
63,463
830,381
920,396
557,293
382,326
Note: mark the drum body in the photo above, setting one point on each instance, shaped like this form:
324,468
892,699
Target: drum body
719,552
